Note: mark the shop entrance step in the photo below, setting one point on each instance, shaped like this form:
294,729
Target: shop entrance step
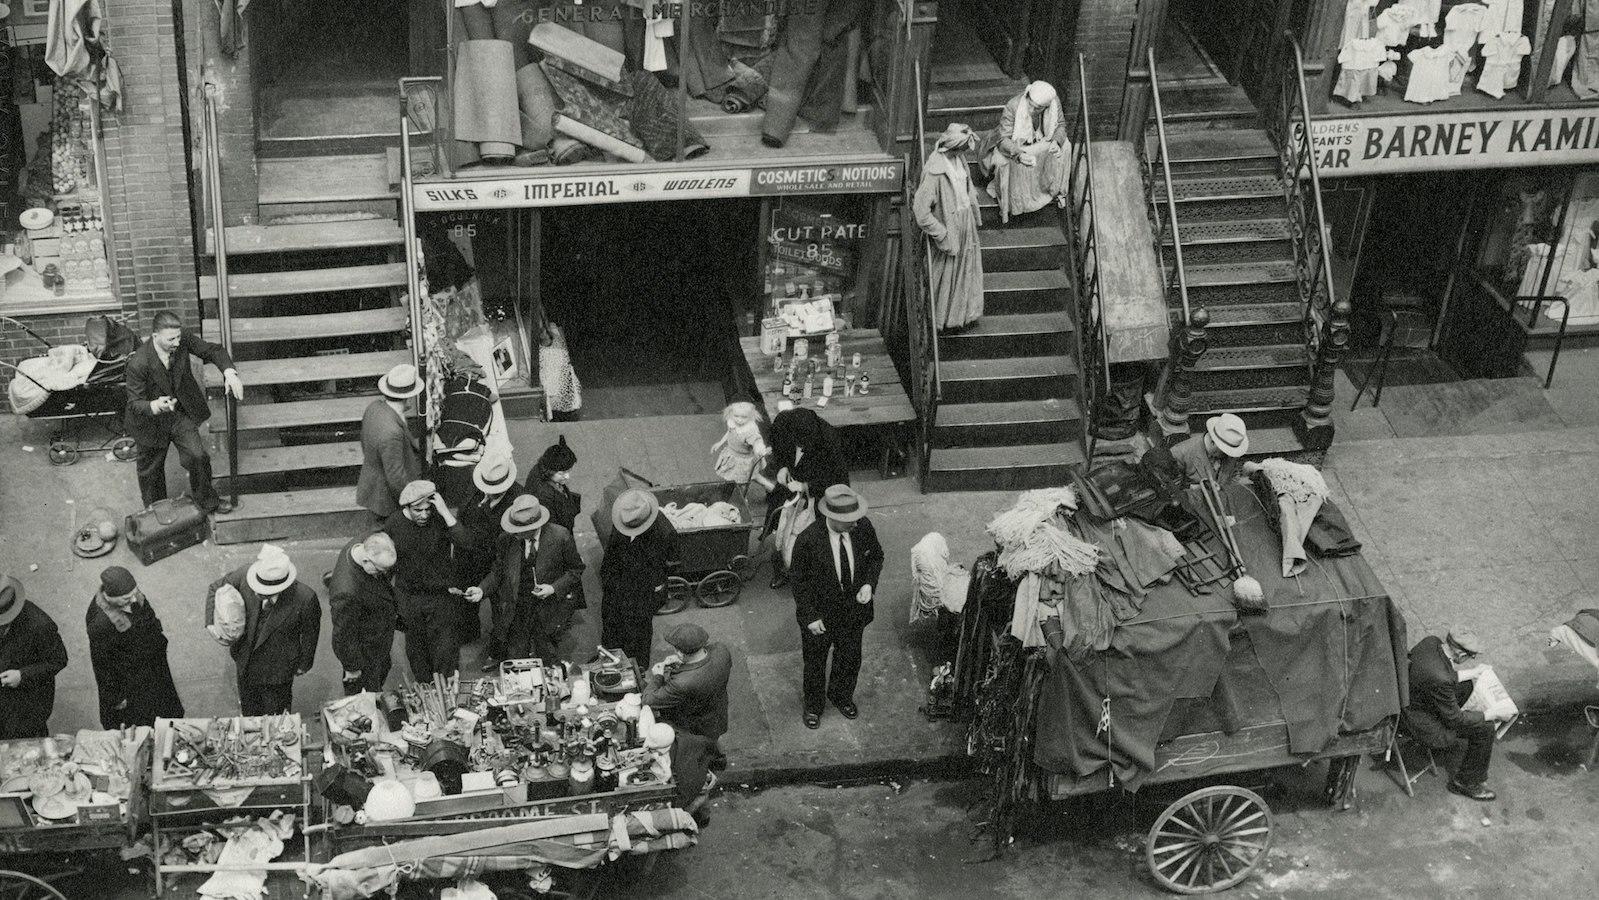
314,179
295,370
335,324
307,281
1007,422
308,236
1001,468
312,513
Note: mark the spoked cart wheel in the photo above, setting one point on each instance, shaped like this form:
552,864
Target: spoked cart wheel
679,593
1210,840
125,449
718,589
743,566
21,886
62,454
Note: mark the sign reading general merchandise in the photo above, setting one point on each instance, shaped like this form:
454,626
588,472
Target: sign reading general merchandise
1430,142
624,186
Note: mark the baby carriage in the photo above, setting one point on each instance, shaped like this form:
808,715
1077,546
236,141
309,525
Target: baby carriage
77,385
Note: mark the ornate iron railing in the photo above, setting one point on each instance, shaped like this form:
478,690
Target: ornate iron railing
1326,319
1093,343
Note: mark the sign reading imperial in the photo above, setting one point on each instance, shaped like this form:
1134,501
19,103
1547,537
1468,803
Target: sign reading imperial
623,186
1465,140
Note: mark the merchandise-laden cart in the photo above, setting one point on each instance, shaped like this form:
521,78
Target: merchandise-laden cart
1190,690
715,559
45,840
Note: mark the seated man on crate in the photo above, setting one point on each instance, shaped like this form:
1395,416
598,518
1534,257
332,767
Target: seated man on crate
166,406
1434,715
1217,454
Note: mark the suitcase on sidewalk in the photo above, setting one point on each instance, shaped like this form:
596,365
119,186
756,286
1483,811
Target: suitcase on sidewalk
166,527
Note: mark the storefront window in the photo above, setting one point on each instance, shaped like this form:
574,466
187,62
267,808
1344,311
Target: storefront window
55,244
536,83
813,252
1543,241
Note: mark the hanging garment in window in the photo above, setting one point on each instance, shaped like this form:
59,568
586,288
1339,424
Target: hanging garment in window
1430,77
1357,69
1501,62
1427,14
1463,27
1394,25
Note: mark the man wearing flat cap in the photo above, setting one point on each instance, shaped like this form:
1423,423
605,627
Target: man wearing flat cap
361,600
534,583
640,553
390,459
282,622
1434,715
31,655
688,689
837,561
128,650
428,583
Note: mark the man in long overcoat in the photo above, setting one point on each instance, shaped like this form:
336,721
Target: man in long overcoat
31,655
533,584
128,650
361,600
640,554
282,621
390,459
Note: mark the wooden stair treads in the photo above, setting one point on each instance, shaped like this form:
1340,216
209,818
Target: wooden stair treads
335,235
299,457
333,324
316,512
320,179
314,368
307,281
292,413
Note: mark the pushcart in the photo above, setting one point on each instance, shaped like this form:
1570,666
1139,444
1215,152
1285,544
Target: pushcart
99,400
715,561
1320,676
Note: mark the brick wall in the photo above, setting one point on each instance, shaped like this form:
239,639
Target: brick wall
1109,33
235,107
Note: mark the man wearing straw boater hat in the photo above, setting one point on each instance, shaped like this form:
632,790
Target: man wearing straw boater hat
836,564
1217,454
537,575
390,459
494,486
282,622
31,654
640,553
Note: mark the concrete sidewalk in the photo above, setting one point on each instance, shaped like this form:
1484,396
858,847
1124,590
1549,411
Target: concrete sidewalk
1497,533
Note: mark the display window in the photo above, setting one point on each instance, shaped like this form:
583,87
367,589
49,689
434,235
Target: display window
1542,240
54,239
532,84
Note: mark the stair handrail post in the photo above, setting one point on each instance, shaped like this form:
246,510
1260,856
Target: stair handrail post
1083,226
924,296
413,280
1326,317
1190,342
212,153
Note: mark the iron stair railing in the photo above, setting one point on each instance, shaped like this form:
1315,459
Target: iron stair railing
1093,343
212,188
1326,318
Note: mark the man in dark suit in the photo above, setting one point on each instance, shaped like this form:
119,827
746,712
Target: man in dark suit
534,581
389,456
688,690
166,406
1434,717
31,655
837,562
495,488
428,583
361,599
282,621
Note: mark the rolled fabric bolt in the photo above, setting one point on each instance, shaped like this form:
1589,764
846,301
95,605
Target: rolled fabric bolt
538,104
599,139
486,111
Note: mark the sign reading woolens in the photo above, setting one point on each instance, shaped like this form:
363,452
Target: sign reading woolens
1431,142
624,186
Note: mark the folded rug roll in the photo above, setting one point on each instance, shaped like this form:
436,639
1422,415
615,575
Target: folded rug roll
579,56
655,114
485,97
593,115
539,105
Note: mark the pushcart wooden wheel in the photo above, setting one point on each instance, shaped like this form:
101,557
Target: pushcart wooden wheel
125,449
743,565
22,886
718,589
62,454
679,593
1209,841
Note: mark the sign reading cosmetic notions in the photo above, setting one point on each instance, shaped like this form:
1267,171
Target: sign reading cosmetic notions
625,186
1431,142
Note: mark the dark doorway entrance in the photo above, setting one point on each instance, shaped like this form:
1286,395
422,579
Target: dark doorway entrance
326,70
650,296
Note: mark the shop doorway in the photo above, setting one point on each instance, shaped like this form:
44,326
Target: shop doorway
1235,39
328,70
651,297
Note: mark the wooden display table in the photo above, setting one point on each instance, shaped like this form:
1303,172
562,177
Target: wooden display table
886,410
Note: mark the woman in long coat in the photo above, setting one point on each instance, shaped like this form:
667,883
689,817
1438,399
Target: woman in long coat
1028,156
806,450
129,651
946,209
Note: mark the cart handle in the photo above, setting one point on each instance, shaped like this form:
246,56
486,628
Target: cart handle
632,474
24,327
6,365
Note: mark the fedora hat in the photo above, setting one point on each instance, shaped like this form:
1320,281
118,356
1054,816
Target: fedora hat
634,512
401,382
526,514
1228,433
841,504
12,599
493,475
270,575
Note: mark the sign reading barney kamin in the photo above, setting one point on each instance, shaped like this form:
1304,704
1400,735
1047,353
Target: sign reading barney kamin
1382,145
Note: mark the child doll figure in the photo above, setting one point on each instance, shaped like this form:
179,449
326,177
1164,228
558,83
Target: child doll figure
741,451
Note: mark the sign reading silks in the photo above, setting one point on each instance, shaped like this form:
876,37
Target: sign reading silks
1428,142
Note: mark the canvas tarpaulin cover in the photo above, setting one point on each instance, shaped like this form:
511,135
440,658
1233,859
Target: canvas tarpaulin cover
1328,658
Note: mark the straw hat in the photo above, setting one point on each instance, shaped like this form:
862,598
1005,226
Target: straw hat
494,475
271,574
12,599
401,383
526,514
1228,433
634,512
841,504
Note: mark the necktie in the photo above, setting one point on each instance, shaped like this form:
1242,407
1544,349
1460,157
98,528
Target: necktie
846,566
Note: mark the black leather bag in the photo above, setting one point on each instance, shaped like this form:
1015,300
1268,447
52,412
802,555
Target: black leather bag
165,528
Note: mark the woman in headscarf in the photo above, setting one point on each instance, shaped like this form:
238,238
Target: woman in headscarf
1028,156
946,209
128,650
807,457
